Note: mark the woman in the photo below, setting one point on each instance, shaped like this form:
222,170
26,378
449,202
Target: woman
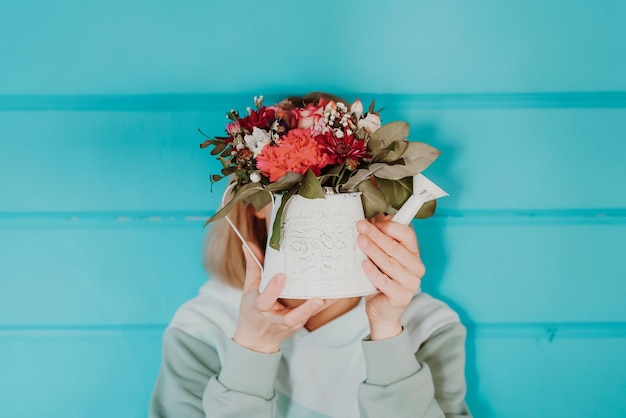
236,352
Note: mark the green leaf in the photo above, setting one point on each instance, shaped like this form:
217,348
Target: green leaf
242,192
226,153
203,134
391,172
387,134
286,182
427,210
275,238
209,142
359,176
418,156
374,201
310,187
392,153
219,148
226,171
371,108
396,192
415,159
259,199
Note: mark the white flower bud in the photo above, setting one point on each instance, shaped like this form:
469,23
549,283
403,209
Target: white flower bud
255,177
357,108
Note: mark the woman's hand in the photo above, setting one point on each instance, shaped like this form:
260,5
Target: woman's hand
263,321
394,267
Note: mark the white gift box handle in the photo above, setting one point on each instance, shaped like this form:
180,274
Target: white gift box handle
227,192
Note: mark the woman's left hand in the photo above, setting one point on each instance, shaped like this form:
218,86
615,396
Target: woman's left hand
394,267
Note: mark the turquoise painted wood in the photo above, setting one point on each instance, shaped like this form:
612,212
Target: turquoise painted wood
502,159
140,272
104,190
403,47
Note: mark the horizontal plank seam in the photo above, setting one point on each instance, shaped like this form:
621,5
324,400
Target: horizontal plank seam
194,218
544,330
223,102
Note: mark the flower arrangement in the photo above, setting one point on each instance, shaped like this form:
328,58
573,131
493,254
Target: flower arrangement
314,145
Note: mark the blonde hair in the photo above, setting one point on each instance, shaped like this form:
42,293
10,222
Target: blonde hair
223,255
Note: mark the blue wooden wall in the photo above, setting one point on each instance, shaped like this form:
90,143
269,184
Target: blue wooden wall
103,189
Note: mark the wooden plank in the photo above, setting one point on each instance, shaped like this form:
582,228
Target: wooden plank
111,373
504,159
124,273
105,161
526,158
571,377
92,375
526,272
407,46
98,275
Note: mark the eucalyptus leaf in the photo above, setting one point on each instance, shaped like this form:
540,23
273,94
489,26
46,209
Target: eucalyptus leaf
387,134
275,238
373,199
392,172
396,192
393,152
286,182
418,156
310,187
427,210
357,177
242,192
259,199
335,169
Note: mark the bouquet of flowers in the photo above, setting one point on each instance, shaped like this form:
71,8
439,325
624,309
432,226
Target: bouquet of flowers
314,147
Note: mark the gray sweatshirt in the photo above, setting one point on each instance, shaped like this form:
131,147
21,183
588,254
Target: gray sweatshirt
334,371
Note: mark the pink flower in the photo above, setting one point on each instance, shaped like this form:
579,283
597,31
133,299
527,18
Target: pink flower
357,108
370,123
233,128
309,116
297,151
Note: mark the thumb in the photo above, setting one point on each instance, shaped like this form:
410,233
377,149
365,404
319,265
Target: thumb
253,271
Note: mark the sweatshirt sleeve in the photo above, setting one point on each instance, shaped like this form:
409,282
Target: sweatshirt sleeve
426,384
194,382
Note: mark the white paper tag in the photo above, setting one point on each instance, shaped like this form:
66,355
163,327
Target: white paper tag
424,191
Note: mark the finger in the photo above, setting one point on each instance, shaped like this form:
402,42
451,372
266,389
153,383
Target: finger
397,295
389,265
298,316
253,271
404,234
396,251
268,298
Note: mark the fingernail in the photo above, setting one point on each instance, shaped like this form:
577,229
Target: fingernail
362,226
279,279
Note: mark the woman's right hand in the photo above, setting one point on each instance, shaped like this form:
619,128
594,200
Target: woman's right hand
263,321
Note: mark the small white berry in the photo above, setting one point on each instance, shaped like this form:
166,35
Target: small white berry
255,177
